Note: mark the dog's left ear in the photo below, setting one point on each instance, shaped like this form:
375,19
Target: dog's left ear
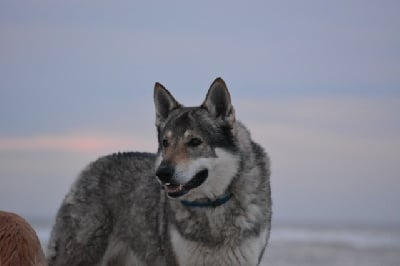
218,102
164,102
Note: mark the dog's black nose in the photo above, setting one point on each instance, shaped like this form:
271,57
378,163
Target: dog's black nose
165,173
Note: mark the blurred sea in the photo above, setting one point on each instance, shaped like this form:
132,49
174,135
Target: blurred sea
319,245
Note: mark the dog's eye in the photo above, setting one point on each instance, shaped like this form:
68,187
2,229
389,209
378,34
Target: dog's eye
165,143
194,142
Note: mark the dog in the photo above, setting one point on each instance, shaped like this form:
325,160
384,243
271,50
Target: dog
19,244
203,199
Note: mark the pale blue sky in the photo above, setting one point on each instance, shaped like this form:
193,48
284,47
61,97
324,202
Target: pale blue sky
317,83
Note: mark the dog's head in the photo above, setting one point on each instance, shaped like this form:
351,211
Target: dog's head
197,154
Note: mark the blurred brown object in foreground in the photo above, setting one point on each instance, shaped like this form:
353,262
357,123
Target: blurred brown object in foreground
19,244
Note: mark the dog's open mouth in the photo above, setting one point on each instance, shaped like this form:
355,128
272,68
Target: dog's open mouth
176,190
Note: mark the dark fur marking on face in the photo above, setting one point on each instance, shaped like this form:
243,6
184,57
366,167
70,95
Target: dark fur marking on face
199,120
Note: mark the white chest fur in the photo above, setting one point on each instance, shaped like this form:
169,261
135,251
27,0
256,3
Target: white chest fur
189,252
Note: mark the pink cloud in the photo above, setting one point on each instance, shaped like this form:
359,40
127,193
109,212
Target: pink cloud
77,143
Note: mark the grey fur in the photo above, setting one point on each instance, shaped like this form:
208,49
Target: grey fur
117,214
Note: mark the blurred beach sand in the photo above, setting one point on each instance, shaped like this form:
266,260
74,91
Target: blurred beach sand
313,254
320,246
333,246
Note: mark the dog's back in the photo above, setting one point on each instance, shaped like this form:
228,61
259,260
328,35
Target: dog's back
19,244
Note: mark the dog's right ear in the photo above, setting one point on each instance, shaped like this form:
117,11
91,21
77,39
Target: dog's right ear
164,103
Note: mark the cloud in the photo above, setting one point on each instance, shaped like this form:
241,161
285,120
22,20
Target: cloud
348,116
36,171
333,159
76,143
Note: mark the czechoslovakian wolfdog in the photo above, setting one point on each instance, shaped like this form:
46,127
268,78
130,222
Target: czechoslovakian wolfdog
203,199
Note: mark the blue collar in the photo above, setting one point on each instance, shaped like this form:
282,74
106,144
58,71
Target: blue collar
208,203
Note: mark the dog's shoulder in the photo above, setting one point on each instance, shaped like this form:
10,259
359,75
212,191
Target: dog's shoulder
114,174
133,161
120,165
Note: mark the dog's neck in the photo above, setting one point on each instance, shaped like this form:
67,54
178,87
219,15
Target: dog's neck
208,203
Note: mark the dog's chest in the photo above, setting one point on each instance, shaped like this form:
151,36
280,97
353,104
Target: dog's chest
188,252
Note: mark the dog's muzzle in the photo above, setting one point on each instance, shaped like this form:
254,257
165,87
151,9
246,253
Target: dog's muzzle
165,174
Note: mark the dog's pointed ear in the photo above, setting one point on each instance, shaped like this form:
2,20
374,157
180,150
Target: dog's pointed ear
164,103
218,102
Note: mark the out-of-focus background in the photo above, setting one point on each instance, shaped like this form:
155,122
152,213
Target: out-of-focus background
316,82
